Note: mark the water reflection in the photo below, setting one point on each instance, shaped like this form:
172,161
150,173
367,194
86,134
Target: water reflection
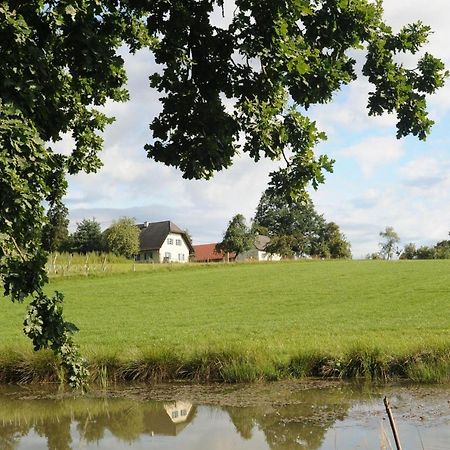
301,425
56,420
296,420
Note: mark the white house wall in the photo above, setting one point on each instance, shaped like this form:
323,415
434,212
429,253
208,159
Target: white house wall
176,251
249,254
257,255
269,257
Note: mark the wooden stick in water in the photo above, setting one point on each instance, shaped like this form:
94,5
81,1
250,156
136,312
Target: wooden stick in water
392,422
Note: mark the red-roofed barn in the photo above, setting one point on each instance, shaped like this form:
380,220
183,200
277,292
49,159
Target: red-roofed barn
207,253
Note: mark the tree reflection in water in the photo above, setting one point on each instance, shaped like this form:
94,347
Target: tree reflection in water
297,419
57,432
302,425
126,420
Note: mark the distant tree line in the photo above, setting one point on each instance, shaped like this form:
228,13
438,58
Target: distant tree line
295,229
441,250
121,238
389,247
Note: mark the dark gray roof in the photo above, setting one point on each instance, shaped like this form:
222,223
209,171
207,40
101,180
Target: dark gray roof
261,242
153,234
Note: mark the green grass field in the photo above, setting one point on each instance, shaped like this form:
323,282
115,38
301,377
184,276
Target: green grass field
260,320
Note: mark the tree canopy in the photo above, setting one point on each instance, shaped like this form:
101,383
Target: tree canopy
238,237
122,237
56,232
60,62
441,250
389,245
273,58
331,243
87,237
295,228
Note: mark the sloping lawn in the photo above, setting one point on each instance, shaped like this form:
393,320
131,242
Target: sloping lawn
266,312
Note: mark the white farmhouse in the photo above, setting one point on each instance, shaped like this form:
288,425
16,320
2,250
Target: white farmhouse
258,251
163,242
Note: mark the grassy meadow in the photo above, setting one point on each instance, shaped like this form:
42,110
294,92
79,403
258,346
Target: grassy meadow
249,321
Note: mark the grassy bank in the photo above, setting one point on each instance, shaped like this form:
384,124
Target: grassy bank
244,322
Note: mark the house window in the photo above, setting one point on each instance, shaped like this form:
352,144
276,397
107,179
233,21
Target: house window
167,256
170,241
178,242
174,414
183,412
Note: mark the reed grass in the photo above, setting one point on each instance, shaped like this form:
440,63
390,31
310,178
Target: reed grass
423,367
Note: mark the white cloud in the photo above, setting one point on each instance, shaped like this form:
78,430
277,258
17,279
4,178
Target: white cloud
374,152
63,146
222,16
349,112
415,202
427,173
204,207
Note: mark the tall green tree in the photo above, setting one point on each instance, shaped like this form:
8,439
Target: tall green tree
298,222
425,252
238,237
87,237
390,241
56,231
59,61
409,251
282,245
122,237
442,249
295,228
331,243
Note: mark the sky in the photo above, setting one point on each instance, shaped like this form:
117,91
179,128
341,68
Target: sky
378,181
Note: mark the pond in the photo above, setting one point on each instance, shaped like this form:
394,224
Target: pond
286,415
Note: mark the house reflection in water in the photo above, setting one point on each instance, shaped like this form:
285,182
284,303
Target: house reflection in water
64,421
176,416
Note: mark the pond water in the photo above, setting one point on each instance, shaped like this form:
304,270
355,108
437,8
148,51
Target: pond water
278,416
